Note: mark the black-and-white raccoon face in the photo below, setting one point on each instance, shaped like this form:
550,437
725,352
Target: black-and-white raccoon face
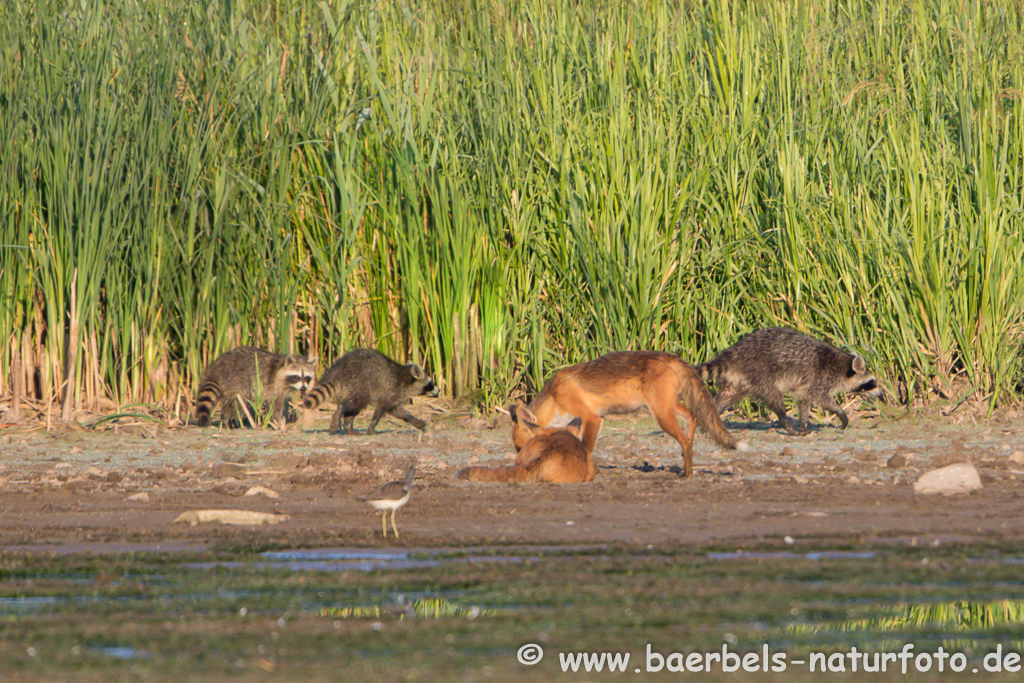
860,381
430,389
299,374
300,381
421,379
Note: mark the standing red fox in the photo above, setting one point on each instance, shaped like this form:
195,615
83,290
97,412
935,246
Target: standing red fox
552,454
624,382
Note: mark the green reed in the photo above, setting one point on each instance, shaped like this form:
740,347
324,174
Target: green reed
494,190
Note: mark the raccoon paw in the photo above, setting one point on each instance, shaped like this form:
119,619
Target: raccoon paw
796,430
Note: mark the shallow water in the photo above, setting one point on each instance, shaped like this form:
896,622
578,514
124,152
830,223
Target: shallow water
308,612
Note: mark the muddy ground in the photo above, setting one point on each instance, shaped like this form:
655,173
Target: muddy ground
123,485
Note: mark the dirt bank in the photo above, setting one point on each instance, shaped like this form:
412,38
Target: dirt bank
124,487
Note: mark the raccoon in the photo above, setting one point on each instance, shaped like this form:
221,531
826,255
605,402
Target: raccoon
245,374
774,362
363,377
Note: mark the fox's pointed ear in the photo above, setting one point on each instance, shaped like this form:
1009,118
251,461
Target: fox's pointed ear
858,364
512,412
528,416
575,427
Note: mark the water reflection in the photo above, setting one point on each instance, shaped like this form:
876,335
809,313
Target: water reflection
962,626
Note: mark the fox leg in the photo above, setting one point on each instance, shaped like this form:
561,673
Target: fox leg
591,430
670,425
687,445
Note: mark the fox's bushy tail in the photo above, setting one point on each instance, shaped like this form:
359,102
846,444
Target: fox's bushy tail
698,400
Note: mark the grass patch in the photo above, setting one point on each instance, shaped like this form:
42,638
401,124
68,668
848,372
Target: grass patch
496,191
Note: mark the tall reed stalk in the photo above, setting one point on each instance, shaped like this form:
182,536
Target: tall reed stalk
494,190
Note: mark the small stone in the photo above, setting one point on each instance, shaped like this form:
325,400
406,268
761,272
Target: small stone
139,497
789,451
1017,457
897,461
262,491
958,478
228,469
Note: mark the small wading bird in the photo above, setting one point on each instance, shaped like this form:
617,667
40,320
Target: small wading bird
391,496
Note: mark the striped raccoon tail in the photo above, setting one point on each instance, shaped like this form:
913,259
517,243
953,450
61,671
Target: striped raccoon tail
698,400
320,393
207,399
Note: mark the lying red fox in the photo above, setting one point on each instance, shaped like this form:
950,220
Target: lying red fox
551,454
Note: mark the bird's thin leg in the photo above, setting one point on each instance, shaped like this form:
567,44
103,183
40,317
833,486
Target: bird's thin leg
383,525
393,522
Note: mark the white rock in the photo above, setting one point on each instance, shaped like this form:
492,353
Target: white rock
262,491
240,517
958,478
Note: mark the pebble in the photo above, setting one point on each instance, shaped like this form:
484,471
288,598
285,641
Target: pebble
961,477
264,491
